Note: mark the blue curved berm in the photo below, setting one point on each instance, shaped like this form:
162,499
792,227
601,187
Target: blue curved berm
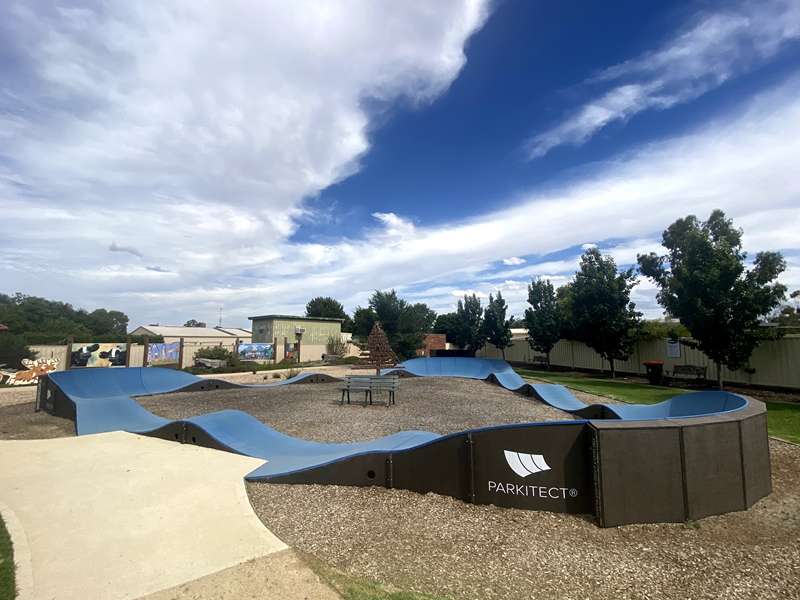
562,458
692,404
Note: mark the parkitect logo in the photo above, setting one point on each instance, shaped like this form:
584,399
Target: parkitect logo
524,464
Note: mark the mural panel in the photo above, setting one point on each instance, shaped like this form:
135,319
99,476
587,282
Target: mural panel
163,354
256,351
98,355
30,375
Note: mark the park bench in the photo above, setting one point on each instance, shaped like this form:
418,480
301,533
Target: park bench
690,370
370,384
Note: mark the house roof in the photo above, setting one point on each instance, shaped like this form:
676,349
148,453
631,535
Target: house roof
294,318
236,331
189,332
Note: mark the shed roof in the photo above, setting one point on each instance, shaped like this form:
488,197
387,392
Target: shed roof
294,318
189,332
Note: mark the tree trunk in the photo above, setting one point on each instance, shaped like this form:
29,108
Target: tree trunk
503,352
548,360
719,374
611,367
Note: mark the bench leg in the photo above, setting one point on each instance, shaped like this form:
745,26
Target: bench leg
341,402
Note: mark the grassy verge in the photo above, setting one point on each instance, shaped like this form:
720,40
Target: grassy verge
783,420
618,389
7,584
356,588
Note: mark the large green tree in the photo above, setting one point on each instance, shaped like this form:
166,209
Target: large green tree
496,327
470,334
364,319
703,282
447,323
42,321
405,324
327,307
543,318
602,314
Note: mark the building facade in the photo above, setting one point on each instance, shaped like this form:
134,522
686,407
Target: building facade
303,338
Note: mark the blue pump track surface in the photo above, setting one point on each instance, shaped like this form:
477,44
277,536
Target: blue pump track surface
693,404
104,400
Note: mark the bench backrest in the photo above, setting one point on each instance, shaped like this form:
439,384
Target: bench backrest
689,370
375,382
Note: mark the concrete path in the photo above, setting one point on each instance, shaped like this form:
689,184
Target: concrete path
116,515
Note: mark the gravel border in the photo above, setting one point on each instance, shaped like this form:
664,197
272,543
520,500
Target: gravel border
312,411
438,545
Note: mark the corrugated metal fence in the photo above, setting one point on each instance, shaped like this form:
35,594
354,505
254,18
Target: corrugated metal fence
774,363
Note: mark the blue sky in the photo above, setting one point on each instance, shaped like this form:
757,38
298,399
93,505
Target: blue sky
166,161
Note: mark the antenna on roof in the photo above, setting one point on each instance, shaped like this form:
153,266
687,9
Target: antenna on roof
220,315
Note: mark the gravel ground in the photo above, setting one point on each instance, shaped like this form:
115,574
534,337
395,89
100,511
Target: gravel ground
19,422
312,411
439,545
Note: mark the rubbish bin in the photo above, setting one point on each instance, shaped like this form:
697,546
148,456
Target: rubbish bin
655,371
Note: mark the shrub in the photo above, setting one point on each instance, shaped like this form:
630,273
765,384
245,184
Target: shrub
215,353
13,348
336,346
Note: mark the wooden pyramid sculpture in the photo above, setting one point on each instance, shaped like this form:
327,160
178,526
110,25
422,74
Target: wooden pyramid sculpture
380,352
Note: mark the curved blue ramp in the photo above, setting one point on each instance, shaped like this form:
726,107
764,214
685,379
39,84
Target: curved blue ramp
104,400
498,371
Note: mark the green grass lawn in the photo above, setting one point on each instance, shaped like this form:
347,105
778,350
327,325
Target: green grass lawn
783,420
357,588
7,586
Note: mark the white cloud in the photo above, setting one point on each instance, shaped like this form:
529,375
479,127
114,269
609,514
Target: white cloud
191,133
212,196
513,260
713,49
114,247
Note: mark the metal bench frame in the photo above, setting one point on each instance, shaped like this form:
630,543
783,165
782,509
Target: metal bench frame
369,384
698,372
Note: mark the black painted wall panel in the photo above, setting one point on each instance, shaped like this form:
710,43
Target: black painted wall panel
641,479
713,469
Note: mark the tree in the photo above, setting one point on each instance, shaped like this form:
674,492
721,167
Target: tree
380,352
415,321
470,334
329,308
363,320
447,323
194,323
47,321
703,282
404,324
517,322
659,330
543,318
496,327
102,322
602,314
13,348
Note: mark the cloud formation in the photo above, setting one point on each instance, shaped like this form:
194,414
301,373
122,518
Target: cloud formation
155,129
714,48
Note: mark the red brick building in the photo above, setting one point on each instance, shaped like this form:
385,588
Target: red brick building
432,341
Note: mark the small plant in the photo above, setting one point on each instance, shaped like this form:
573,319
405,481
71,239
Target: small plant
215,353
336,346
